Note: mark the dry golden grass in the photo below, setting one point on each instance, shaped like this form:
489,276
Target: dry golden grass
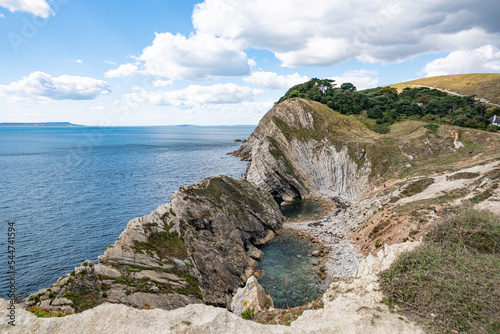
486,86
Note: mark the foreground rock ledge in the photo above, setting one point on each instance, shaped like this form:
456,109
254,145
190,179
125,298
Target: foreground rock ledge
351,306
199,248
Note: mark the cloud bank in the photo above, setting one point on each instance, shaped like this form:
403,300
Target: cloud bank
485,59
42,87
274,81
198,57
362,79
321,32
36,7
191,96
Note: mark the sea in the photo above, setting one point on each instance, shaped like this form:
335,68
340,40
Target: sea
67,193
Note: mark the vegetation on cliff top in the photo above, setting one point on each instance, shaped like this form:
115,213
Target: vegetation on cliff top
386,106
452,281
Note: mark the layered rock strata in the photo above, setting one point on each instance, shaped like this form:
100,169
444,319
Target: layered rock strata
199,248
295,152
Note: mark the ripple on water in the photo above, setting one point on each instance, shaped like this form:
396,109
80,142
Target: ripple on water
290,276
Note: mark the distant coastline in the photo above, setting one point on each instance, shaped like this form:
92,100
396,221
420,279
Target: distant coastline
41,124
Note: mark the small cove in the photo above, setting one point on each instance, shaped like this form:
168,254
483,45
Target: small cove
290,272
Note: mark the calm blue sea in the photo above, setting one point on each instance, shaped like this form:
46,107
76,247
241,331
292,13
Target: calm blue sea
72,190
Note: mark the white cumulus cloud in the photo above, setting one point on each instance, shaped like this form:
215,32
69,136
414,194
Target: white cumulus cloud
192,95
485,59
122,71
197,57
42,87
36,7
329,32
274,81
2,16
362,79
162,83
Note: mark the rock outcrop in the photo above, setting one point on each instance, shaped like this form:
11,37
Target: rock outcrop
303,148
251,297
385,257
199,248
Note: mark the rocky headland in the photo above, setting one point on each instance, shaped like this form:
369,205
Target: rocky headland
199,248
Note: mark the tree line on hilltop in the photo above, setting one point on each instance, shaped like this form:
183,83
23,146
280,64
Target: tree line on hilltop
386,106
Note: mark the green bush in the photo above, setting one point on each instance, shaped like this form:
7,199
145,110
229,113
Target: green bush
492,128
248,313
383,128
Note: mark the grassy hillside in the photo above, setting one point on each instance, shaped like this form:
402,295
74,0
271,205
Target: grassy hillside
450,283
486,86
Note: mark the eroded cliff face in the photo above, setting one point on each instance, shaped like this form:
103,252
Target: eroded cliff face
199,248
302,148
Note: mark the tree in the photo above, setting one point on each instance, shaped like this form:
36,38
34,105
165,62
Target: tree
348,86
387,91
375,113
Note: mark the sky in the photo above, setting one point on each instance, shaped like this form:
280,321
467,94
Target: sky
222,62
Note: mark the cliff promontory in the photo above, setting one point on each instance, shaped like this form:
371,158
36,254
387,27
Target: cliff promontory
199,248
302,148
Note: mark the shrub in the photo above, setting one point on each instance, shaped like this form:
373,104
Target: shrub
492,128
383,128
248,313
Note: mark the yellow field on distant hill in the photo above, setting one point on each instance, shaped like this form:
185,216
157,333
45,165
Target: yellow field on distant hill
486,86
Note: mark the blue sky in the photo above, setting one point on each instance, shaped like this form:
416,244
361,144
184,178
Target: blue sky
222,61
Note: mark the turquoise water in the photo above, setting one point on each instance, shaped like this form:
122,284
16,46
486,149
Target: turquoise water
290,280
71,191
301,209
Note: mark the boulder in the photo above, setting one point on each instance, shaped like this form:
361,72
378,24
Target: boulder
252,296
61,301
254,252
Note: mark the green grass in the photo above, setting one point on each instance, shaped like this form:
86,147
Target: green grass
163,243
83,300
411,148
454,275
248,313
45,313
462,176
416,187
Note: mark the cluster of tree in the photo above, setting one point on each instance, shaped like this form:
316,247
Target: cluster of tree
386,105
